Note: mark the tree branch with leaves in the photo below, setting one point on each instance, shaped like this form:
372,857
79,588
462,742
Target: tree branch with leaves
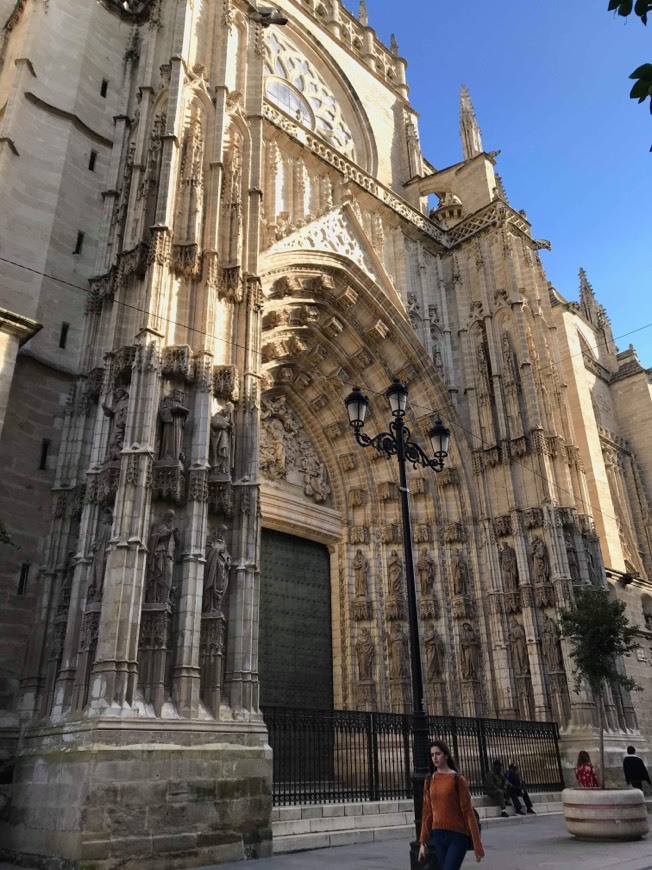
599,634
642,88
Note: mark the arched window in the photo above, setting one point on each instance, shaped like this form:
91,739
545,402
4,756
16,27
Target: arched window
298,89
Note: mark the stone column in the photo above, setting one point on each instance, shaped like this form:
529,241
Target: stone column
114,673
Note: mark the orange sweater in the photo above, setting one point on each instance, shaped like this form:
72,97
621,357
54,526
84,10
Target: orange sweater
442,810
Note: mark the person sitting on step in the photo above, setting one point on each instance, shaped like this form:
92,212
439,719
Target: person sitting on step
497,787
517,790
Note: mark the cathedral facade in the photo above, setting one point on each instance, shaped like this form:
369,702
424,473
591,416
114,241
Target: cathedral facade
221,222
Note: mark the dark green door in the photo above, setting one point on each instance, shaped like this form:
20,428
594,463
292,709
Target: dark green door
295,648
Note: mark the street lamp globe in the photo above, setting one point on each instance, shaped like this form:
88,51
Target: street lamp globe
398,396
356,405
440,438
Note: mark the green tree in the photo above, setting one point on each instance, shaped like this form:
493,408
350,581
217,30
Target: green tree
599,633
642,88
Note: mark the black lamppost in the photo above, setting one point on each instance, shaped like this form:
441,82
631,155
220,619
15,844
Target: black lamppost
397,443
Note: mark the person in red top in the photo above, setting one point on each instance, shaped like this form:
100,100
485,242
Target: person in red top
584,773
447,818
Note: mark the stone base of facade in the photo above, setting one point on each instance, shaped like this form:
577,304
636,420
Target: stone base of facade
104,794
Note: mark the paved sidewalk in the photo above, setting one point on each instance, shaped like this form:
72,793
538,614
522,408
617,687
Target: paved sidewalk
534,843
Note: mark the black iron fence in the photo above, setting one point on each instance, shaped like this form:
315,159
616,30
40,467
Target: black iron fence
333,756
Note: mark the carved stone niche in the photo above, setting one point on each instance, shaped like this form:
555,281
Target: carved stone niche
447,477
359,535
186,260
226,383
347,299
322,285
333,327
390,533
419,485
408,374
377,333
422,533
348,461
503,526
221,497
176,363
388,491
454,533
283,376
94,382
362,610
358,497
286,286
122,364
168,481
533,518
103,486
462,607
567,517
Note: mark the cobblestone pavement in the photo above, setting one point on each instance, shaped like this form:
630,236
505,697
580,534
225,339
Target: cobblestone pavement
533,843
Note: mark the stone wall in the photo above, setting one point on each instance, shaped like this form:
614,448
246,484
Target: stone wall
36,407
104,796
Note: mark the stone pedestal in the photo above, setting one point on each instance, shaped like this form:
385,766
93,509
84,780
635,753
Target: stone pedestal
154,793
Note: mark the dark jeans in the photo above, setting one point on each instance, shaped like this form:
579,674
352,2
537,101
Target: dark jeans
450,848
516,794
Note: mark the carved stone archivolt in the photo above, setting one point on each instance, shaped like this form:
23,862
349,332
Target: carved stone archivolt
286,453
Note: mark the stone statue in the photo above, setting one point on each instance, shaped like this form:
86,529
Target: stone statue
65,591
460,574
509,568
435,653
98,549
222,440
118,414
470,646
360,566
366,653
216,571
426,572
551,645
399,660
590,564
571,555
519,648
162,544
173,414
395,573
540,561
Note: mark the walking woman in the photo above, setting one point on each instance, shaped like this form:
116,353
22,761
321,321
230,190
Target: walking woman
584,773
447,819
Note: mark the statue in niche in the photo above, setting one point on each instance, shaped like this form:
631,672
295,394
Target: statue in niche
571,555
99,551
315,478
551,645
509,568
460,574
395,573
517,641
162,545
118,414
366,654
399,660
272,450
66,583
173,414
540,560
590,564
470,646
232,186
426,572
360,566
222,441
435,653
216,571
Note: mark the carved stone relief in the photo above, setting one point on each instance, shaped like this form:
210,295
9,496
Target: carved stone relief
286,453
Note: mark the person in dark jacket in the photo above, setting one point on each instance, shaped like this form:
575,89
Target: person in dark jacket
496,786
517,790
634,769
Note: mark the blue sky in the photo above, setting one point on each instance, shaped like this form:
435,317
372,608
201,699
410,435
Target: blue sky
549,81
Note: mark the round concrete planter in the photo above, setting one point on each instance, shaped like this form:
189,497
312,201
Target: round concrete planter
605,814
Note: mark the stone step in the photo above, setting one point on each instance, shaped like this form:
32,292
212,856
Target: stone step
300,828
